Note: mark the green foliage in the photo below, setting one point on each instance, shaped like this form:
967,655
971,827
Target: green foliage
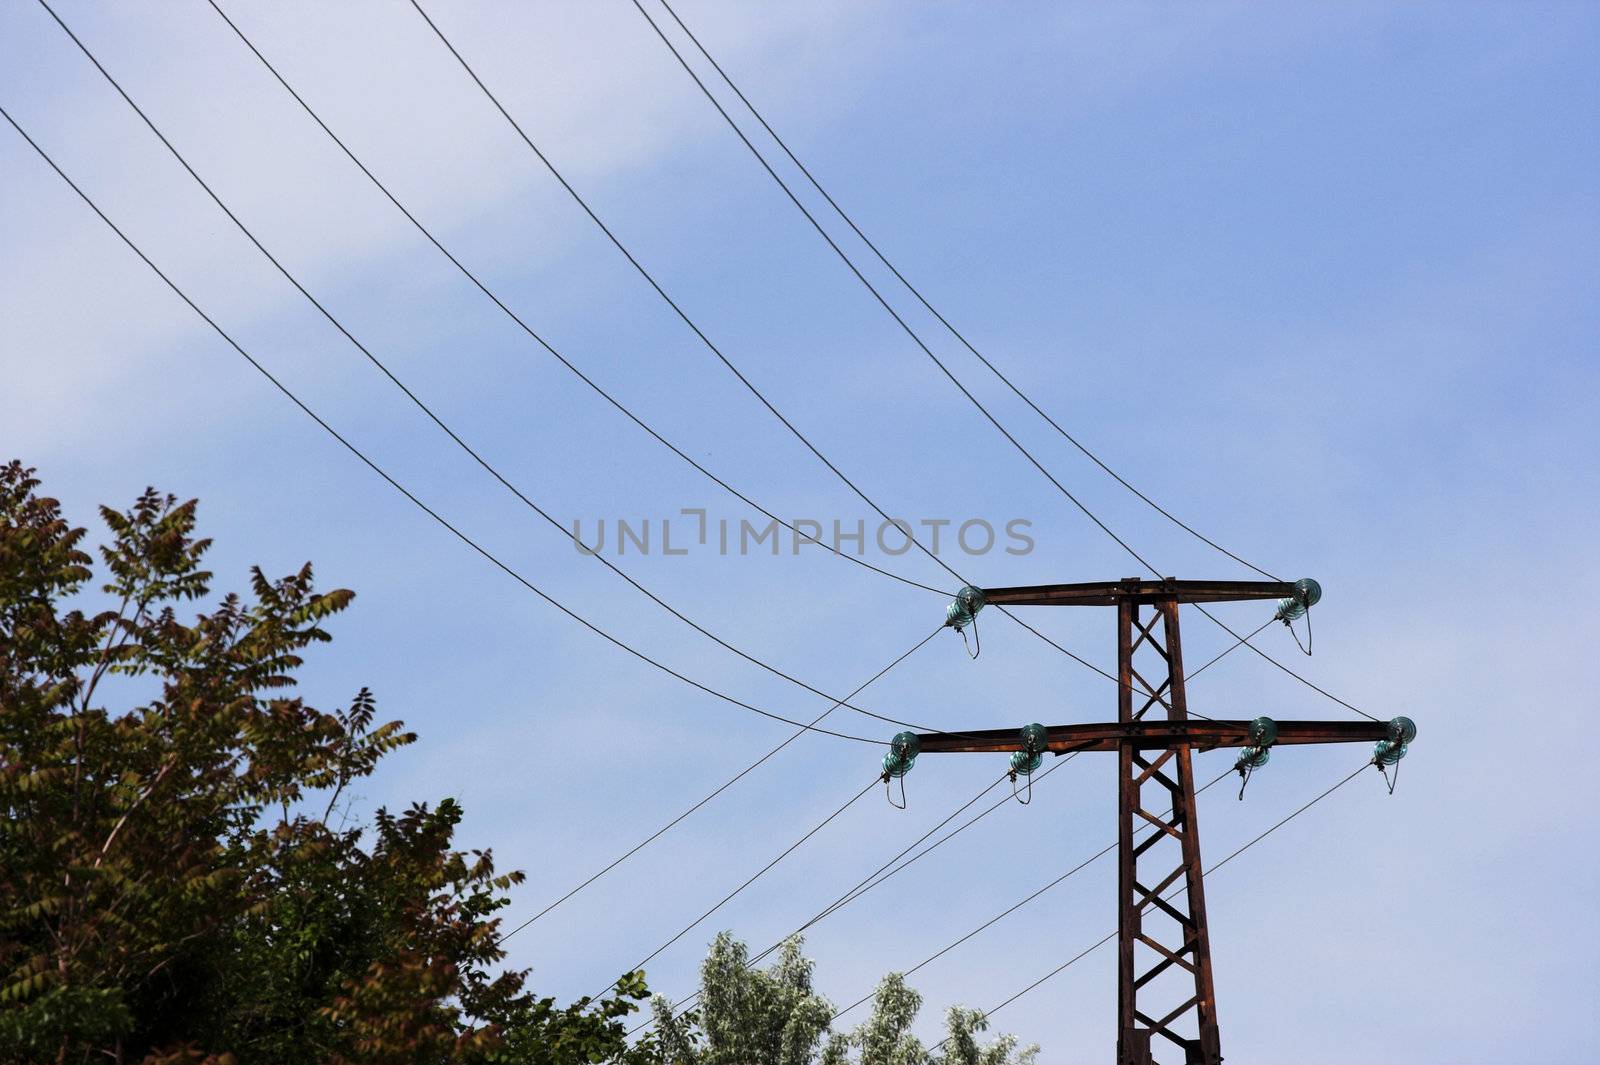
745,1014
172,889
772,1016
168,892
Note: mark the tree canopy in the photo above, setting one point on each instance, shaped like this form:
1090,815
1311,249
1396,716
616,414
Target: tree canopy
180,883
774,1016
172,887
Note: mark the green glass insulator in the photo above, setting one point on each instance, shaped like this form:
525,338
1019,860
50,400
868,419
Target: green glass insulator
1024,763
964,607
1263,732
897,767
1253,757
1307,594
1402,730
1035,737
1387,752
903,750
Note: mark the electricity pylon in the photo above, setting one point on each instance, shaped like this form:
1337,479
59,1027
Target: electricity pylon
1164,983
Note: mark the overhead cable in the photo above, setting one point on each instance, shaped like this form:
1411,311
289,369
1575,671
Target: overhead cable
664,829
845,258
884,303
917,293
673,304
396,485
1014,907
538,338
676,308
433,416
1097,945
757,875
882,873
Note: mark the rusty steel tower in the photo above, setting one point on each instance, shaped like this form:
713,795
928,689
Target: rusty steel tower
1164,981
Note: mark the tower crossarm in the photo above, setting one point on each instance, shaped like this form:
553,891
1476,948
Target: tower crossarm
1137,590
1154,735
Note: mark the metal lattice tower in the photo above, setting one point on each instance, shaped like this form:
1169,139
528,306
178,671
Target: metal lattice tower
1164,978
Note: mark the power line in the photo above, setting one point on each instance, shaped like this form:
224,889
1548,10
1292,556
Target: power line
723,74
878,876
665,606
1246,641
844,257
255,241
396,485
674,305
884,303
535,336
1237,642
1234,646
1089,950
664,829
1076,658
868,883
801,727
429,412
877,880
752,879
1014,907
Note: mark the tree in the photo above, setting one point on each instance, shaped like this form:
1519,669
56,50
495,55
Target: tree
171,889
773,1016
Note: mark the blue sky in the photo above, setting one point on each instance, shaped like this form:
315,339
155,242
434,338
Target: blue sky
1318,278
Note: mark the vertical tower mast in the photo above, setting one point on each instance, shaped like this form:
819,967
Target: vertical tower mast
1178,964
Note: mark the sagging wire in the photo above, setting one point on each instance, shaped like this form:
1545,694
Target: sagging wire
1305,648
1391,781
878,876
881,256
1113,935
537,338
1028,791
975,648
1389,752
887,794
412,396
724,786
1245,769
1014,907
878,296
1307,593
758,874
